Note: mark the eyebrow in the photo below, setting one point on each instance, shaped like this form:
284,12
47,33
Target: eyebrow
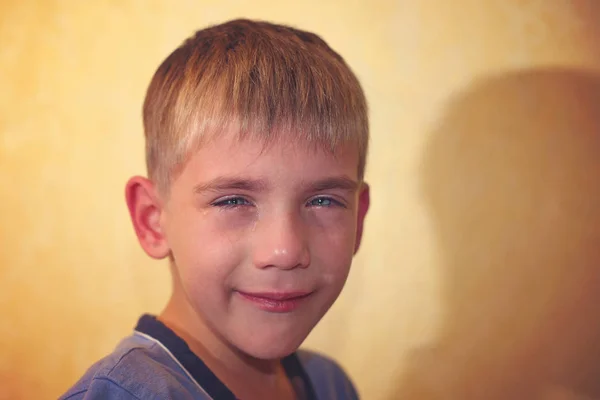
221,184
226,183
338,182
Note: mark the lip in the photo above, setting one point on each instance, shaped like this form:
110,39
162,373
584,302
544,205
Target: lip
276,302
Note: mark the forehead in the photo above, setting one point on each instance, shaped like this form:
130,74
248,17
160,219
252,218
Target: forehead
229,154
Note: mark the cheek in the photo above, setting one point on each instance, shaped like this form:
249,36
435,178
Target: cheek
335,228
232,222
205,250
337,263
332,243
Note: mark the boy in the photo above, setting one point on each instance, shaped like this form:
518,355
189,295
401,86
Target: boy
256,140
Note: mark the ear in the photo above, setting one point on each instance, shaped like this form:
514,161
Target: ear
145,211
364,200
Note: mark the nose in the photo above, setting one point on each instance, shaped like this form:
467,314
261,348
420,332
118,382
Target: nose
281,242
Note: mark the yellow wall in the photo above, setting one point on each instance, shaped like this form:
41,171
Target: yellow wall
479,276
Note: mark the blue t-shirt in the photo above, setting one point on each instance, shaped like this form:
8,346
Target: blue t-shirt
155,363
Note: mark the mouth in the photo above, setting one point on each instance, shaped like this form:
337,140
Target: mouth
276,302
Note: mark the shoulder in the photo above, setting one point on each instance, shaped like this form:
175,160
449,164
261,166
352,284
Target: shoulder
137,369
328,378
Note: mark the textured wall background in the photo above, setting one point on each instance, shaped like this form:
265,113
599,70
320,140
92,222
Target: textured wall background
478,277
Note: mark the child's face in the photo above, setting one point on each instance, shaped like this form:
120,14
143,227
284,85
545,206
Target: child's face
263,239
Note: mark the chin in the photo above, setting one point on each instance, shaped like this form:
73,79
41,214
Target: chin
271,352
270,348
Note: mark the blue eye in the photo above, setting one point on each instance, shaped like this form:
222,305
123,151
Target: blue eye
232,202
324,202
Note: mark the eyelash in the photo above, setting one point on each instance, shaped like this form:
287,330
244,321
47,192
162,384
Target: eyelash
333,202
227,203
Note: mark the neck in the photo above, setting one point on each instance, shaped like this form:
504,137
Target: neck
247,377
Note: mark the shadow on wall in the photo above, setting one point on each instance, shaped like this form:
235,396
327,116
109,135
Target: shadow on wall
512,181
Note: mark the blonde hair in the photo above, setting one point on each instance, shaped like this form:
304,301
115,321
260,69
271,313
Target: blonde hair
266,81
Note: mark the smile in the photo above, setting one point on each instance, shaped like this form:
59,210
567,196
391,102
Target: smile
276,302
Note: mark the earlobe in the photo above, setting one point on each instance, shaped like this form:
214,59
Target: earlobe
145,212
364,201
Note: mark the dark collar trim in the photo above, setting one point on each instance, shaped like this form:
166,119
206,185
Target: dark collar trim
152,327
